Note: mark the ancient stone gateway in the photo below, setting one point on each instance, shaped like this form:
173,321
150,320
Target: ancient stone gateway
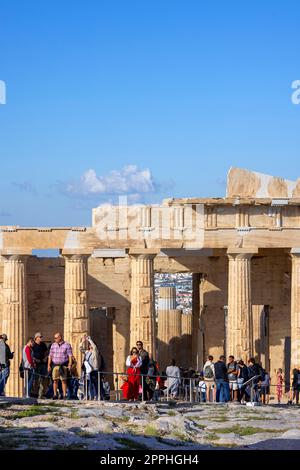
243,251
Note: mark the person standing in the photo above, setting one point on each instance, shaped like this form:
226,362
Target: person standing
144,355
209,377
5,357
222,387
131,385
242,377
232,372
60,362
28,365
295,389
40,356
151,378
202,389
92,363
265,388
254,372
279,385
173,379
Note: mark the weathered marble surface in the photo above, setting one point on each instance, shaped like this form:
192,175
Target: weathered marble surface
70,425
246,183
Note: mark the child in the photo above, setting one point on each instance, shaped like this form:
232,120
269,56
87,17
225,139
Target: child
279,385
202,389
106,389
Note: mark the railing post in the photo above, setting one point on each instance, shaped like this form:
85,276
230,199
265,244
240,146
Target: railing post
27,383
86,387
191,391
167,390
118,396
99,393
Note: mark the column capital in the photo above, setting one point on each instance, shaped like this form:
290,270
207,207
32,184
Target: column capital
76,254
295,253
242,253
146,253
15,255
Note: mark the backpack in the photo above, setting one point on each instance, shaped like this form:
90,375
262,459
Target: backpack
208,372
262,373
244,373
21,370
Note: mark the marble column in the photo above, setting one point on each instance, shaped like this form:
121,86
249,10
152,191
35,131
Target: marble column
76,316
186,339
15,317
295,309
169,327
239,340
142,315
198,323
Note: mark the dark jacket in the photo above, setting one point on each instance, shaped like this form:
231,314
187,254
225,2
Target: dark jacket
220,370
145,361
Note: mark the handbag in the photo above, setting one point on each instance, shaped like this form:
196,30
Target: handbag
21,370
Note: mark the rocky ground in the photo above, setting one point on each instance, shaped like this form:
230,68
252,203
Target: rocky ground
90,425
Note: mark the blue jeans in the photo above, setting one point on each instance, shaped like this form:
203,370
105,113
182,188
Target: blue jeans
93,386
223,394
4,374
73,385
31,376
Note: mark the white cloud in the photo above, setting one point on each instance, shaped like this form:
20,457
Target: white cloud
130,180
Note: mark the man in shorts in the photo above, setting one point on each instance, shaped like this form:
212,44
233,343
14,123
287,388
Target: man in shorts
232,371
60,362
209,379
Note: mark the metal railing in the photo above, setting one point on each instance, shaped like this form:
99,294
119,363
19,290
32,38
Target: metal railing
185,389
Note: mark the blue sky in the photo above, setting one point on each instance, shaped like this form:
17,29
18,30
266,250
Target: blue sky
148,98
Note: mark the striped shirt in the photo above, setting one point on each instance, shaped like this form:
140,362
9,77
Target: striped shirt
60,353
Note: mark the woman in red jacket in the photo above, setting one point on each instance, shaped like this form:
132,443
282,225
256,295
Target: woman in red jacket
131,385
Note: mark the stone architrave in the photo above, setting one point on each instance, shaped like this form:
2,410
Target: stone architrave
142,315
239,340
76,314
295,309
15,317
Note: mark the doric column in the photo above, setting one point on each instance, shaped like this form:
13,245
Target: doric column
295,309
186,339
76,317
15,316
169,327
198,323
142,316
239,320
